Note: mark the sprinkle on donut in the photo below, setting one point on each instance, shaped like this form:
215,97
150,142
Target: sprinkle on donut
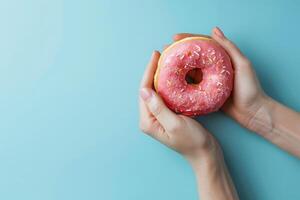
194,76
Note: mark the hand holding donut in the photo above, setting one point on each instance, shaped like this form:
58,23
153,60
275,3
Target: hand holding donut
186,136
181,133
247,104
159,121
247,96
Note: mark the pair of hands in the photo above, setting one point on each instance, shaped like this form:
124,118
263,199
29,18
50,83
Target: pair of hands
184,134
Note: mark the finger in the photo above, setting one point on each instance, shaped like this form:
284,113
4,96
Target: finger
181,36
156,131
147,80
159,110
234,52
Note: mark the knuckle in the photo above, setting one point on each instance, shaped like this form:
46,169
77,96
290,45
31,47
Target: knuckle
175,127
157,134
157,109
144,126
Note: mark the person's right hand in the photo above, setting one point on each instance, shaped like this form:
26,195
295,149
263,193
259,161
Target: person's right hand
247,97
181,133
186,136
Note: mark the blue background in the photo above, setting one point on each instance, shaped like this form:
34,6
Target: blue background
69,78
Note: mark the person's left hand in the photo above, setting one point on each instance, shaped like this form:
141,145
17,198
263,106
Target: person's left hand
248,98
181,133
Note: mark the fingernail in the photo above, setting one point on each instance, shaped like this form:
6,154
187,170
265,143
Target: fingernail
145,94
218,32
153,53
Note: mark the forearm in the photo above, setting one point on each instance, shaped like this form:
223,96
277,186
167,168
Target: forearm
278,124
213,179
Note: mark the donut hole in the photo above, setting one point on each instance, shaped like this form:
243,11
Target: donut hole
194,76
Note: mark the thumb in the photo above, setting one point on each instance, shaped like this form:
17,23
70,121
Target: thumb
234,52
241,64
159,110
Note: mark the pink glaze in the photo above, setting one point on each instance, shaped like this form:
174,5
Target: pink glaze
194,99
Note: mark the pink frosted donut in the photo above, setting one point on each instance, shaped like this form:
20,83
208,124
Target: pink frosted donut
194,76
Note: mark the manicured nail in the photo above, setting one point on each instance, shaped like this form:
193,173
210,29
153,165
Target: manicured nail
218,32
145,94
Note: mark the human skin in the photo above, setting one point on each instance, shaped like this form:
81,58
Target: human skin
248,105
186,136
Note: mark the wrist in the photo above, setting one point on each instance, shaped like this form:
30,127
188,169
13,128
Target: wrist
212,176
209,169
261,120
208,158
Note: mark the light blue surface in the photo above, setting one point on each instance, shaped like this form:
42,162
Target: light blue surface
69,76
